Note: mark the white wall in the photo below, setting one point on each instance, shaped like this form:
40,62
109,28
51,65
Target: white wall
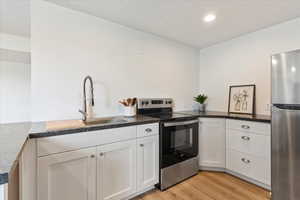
14,92
245,60
14,42
68,45
14,78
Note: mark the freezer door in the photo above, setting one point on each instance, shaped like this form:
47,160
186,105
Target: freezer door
286,78
285,154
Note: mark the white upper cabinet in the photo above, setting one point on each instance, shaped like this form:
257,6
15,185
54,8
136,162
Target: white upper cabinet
116,170
147,162
68,176
212,140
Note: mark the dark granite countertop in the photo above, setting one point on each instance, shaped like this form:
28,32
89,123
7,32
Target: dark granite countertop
55,128
12,138
217,114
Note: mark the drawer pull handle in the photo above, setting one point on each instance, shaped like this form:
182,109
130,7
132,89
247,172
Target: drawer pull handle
245,126
101,154
148,130
245,138
245,160
141,145
92,156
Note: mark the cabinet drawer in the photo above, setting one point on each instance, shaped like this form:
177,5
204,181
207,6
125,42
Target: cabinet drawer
254,144
147,130
63,143
254,127
251,166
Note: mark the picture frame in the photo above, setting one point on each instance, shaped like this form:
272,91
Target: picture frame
242,99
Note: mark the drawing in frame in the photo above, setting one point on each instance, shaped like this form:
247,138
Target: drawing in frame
242,99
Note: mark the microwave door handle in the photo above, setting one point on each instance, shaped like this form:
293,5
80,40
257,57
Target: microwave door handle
168,124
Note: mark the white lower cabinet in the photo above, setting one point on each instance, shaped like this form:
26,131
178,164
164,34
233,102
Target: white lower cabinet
212,140
116,170
68,176
249,150
239,147
147,162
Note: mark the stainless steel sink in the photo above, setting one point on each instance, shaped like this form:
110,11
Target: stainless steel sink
106,120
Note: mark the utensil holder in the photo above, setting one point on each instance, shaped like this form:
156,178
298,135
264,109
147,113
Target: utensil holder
129,111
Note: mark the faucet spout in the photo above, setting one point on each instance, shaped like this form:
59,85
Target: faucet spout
84,111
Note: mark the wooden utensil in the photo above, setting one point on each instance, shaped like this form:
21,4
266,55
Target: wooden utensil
134,101
128,101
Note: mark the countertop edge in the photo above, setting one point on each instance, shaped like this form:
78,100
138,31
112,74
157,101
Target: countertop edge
237,118
49,133
225,115
87,129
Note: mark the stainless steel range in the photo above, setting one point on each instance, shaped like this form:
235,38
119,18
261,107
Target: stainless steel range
178,141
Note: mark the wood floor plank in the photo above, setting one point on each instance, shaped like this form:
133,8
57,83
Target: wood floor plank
240,187
210,186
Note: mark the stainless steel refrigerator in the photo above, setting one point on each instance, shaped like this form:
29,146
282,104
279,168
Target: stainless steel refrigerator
285,159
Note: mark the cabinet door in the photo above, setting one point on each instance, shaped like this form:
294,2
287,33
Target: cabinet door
212,140
68,176
116,170
147,162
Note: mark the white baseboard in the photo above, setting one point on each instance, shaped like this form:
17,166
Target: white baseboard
216,169
268,187
141,192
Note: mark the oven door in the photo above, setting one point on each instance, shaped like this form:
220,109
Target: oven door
179,142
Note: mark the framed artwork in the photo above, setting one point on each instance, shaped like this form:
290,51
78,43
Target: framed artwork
242,99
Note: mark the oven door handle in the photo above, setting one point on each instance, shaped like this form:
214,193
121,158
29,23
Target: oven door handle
168,124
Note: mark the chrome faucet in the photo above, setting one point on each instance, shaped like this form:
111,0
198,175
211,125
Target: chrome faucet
84,111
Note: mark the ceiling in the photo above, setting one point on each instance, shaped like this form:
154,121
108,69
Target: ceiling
15,17
181,20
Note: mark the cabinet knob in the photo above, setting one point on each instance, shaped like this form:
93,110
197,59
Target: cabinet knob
245,160
141,145
245,126
92,156
148,130
101,154
245,138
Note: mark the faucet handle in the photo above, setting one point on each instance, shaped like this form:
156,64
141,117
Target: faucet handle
82,112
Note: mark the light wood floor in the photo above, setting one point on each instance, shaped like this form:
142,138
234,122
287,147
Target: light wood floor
209,186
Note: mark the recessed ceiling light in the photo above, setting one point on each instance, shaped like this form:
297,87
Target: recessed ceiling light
209,18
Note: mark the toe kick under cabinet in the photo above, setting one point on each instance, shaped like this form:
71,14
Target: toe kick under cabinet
239,147
108,164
